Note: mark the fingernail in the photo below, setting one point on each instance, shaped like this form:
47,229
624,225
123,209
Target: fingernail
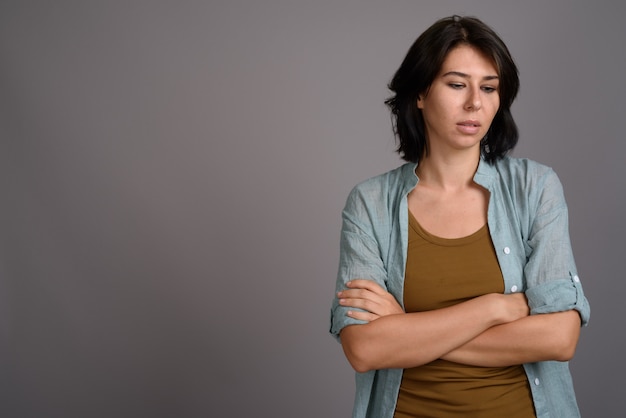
339,294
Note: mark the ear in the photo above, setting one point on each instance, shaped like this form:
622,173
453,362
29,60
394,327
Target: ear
420,102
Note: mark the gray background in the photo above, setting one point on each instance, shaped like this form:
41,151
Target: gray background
172,176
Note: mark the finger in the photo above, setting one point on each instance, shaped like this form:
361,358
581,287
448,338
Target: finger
360,294
365,299
385,299
363,316
366,284
364,304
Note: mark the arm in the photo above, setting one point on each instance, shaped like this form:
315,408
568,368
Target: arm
557,303
552,283
412,339
389,340
400,340
554,293
552,336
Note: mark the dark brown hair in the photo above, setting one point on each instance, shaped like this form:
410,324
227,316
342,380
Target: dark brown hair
422,64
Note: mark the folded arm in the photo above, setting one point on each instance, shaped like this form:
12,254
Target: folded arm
543,337
491,331
401,340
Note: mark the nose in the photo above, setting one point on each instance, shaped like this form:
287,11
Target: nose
473,99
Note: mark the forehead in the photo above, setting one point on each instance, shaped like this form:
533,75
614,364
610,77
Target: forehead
468,60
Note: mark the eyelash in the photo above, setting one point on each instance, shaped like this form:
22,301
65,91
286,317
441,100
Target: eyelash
486,89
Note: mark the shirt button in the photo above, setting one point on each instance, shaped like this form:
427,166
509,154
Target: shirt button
576,278
513,288
507,250
536,381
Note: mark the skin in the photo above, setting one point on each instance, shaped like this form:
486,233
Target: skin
490,330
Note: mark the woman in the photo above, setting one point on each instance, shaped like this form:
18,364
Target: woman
457,292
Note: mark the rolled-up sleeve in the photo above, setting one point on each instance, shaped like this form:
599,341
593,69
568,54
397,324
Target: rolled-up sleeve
359,257
559,296
553,284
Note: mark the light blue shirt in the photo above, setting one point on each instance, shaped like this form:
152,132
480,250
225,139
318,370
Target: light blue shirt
528,223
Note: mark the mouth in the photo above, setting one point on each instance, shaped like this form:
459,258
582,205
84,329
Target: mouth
470,123
469,127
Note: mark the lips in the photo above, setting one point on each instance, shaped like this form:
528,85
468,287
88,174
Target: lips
469,123
469,127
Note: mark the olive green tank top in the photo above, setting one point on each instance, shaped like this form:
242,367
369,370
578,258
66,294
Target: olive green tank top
441,272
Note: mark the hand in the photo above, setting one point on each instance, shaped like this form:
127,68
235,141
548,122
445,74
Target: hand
513,306
369,296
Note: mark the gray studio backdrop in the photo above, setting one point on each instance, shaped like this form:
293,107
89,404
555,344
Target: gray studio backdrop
172,175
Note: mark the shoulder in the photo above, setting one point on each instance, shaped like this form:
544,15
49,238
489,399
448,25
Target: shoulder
525,174
522,168
385,186
529,182
380,195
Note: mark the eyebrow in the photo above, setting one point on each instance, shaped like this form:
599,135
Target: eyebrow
463,75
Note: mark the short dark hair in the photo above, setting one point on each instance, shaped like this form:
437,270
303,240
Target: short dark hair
419,69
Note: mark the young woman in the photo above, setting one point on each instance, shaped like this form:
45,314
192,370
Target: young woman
457,293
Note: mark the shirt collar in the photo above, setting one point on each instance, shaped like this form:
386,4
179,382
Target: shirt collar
484,175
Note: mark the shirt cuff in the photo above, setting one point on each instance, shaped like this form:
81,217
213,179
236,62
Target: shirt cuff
559,296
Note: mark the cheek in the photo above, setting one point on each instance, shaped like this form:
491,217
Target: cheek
495,106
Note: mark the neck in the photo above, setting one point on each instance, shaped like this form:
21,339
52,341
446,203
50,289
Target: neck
448,172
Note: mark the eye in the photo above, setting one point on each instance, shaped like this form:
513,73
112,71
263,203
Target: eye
489,89
457,86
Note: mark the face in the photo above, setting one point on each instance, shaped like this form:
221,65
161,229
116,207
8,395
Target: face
461,102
